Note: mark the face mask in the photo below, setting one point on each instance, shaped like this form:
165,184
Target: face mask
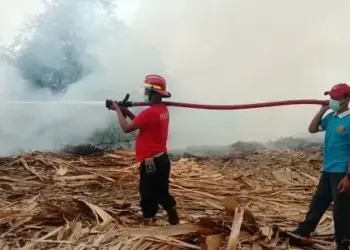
334,105
147,95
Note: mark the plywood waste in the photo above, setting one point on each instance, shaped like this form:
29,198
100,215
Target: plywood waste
236,201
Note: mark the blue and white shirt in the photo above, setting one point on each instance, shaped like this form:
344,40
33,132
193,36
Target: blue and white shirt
336,149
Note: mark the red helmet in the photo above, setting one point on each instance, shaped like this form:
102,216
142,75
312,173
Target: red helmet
157,84
338,91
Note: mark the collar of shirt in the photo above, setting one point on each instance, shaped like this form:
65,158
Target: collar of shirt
342,115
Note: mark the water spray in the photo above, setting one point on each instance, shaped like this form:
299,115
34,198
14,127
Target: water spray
126,103
52,102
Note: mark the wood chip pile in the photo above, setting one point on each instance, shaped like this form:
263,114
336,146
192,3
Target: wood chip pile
246,201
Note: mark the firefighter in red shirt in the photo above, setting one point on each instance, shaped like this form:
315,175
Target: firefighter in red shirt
151,149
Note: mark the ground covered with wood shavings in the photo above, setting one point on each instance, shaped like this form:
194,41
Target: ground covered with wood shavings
238,201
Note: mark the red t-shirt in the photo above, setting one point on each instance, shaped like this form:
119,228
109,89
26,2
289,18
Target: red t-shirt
153,126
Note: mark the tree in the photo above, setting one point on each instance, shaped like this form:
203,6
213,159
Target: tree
50,51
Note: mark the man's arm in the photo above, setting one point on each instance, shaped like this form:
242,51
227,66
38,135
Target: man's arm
127,113
344,185
318,124
127,127
348,169
142,120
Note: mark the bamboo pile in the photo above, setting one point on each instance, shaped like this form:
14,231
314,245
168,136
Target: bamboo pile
242,201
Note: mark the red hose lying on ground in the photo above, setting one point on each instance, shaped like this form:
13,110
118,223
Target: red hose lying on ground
238,106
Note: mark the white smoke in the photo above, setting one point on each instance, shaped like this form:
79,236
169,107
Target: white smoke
246,51
218,52
115,56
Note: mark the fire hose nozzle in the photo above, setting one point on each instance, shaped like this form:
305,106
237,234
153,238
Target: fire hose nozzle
109,103
125,103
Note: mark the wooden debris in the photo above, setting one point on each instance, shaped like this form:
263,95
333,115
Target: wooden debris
65,201
235,229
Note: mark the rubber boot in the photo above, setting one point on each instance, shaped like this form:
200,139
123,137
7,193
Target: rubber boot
173,216
301,241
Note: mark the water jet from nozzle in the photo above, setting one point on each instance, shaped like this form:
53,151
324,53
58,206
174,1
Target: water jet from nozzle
52,102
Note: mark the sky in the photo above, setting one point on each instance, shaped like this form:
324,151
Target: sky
13,14
233,52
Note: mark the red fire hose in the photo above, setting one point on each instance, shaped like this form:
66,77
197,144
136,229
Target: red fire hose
126,103
238,106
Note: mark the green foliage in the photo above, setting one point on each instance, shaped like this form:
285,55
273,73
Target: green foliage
112,137
50,50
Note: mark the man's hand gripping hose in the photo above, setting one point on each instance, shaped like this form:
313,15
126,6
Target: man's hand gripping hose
126,103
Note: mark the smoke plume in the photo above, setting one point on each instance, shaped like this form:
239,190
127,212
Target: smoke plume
217,52
235,52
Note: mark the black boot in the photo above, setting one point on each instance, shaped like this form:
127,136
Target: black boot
173,216
149,222
343,245
300,240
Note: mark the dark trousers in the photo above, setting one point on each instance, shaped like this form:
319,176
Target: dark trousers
154,187
327,191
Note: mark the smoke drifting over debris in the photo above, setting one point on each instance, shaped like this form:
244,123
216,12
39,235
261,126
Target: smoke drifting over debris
248,51
222,52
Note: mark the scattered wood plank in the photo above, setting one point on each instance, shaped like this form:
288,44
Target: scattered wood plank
61,201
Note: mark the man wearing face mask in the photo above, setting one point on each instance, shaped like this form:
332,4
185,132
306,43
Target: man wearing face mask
334,184
151,149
